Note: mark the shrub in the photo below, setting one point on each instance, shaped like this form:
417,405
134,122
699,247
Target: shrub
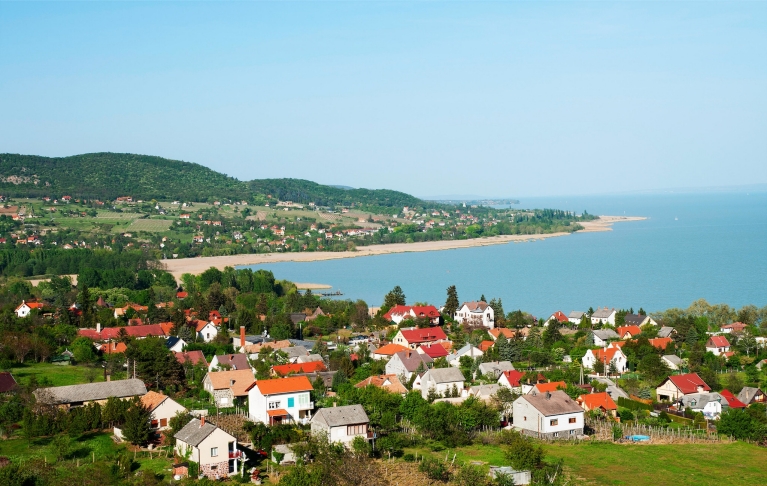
434,469
408,457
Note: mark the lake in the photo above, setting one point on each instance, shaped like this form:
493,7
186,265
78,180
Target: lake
711,246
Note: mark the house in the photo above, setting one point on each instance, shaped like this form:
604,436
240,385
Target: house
295,352
210,447
734,328
114,333
206,330
576,317
548,415
433,351
732,400
709,404
598,401
558,316
120,311
485,345
228,387
476,314
281,400
113,348
601,337
750,395
676,386
162,408
494,369
628,332
673,361
606,356
603,316
512,380
613,390
341,424
495,333
192,357
174,343
80,395
399,313
291,369
660,343
388,350
405,363
454,359
309,358
25,308
389,383
484,392
229,362
414,337
442,381
665,332
718,345
549,386
7,382
638,320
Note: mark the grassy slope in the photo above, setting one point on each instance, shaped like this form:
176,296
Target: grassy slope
58,375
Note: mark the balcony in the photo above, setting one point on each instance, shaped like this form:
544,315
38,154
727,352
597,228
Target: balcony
306,406
235,454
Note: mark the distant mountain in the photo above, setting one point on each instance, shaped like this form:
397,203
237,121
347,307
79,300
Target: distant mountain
107,176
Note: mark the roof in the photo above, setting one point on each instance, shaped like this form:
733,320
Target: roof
476,306
108,333
172,340
501,366
193,357
427,311
274,345
390,349
605,355
194,432
433,350
496,332
559,316
718,342
550,386
484,391
576,315
113,348
444,375
735,326
340,416
389,383
602,313
514,377
296,351
635,319
688,383
91,391
237,380
237,361
423,335
287,369
7,382
153,400
280,412
597,400
702,399
660,343
665,331
605,334
309,358
732,400
747,394
613,390
632,331
284,385
200,325
411,359
673,359
485,345
552,403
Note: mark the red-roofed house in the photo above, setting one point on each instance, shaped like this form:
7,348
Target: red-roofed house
628,332
732,400
598,401
182,295
206,330
398,313
485,345
193,357
511,380
734,328
558,316
414,337
287,369
433,351
113,348
388,350
676,386
113,333
718,345
548,387
606,356
495,333
25,308
280,400
660,343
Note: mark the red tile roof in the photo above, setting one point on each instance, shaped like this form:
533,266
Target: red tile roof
428,311
193,357
632,331
496,332
423,335
689,383
310,367
597,400
718,342
660,343
732,400
550,386
605,355
284,385
390,349
559,316
485,345
181,295
514,376
434,351
735,326
113,348
114,332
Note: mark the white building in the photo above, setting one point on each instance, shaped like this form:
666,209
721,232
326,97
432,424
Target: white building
440,380
606,356
575,317
210,447
472,352
476,314
603,316
162,408
24,309
207,331
341,424
601,337
551,415
281,400
405,363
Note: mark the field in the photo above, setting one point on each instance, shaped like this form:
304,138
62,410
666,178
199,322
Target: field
58,375
151,225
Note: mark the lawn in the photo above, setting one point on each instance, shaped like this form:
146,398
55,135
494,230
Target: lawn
150,225
57,375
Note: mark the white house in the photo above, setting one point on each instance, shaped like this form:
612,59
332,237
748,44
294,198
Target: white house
441,381
603,316
476,314
709,404
601,337
25,308
281,400
210,447
495,368
606,356
207,331
676,386
575,317
472,352
175,344
550,415
341,424
405,363
718,345
162,408
513,381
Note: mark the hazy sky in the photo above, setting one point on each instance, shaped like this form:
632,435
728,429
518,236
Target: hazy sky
496,99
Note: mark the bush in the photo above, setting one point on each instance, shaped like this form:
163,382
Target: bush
625,414
408,457
434,469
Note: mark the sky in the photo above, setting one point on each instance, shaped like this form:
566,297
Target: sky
499,99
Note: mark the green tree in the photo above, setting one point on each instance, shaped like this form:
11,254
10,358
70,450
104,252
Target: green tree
452,303
136,428
395,297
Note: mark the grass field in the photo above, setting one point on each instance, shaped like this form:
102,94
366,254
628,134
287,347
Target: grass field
152,225
58,375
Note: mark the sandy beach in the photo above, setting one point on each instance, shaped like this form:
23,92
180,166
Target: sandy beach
180,266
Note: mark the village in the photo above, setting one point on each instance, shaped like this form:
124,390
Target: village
229,380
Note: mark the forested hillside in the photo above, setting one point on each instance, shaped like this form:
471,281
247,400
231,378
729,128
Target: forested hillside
107,176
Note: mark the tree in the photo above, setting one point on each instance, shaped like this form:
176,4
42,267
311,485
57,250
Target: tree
395,297
136,428
452,303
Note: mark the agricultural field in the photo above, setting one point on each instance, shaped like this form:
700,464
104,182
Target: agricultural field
57,375
150,225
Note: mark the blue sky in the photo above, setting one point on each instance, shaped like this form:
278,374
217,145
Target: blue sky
495,99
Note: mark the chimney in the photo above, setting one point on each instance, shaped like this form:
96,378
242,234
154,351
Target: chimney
202,420
242,336
231,382
98,327
109,377
335,404
548,395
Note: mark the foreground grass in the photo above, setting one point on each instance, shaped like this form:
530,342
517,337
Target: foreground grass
58,375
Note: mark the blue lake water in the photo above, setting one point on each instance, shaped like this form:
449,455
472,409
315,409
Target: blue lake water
711,246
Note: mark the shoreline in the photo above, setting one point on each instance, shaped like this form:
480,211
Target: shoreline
198,265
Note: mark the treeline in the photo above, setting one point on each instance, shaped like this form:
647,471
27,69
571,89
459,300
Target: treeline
26,263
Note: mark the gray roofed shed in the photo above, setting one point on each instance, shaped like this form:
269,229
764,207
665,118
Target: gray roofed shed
62,395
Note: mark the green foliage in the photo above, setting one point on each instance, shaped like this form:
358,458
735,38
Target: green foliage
434,469
452,303
521,452
136,428
633,404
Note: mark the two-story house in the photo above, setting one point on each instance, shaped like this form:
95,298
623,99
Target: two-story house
281,400
476,314
549,415
341,424
718,345
210,447
405,363
603,316
675,387
206,330
606,356
442,381
228,387
162,408
413,337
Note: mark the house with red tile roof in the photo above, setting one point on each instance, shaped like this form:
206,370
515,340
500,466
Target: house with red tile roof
434,351
606,356
496,332
485,345
25,308
113,333
548,387
734,328
718,345
113,348
295,368
399,313
206,330
228,387
660,343
598,401
390,383
281,400
628,332
387,351
192,357
7,382
732,400
558,316
161,408
511,380
236,361
676,386
414,337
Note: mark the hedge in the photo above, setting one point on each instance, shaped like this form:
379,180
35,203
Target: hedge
633,405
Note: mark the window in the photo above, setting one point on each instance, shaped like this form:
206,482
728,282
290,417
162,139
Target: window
356,429
572,420
525,419
303,399
163,422
213,451
556,434
291,402
554,422
274,405
224,400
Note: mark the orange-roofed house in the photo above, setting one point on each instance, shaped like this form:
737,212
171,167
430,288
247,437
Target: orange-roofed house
390,383
228,387
606,356
485,345
414,337
628,332
398,313
548,387
598,401
162,408
496,333
290,369
660,343
281,400
25,308
206,330
113,348
388,350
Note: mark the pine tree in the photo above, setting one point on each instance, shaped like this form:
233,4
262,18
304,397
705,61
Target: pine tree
451,304
482,299
137,421
395,297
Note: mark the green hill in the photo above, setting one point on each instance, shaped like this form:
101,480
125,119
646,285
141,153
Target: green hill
107,176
